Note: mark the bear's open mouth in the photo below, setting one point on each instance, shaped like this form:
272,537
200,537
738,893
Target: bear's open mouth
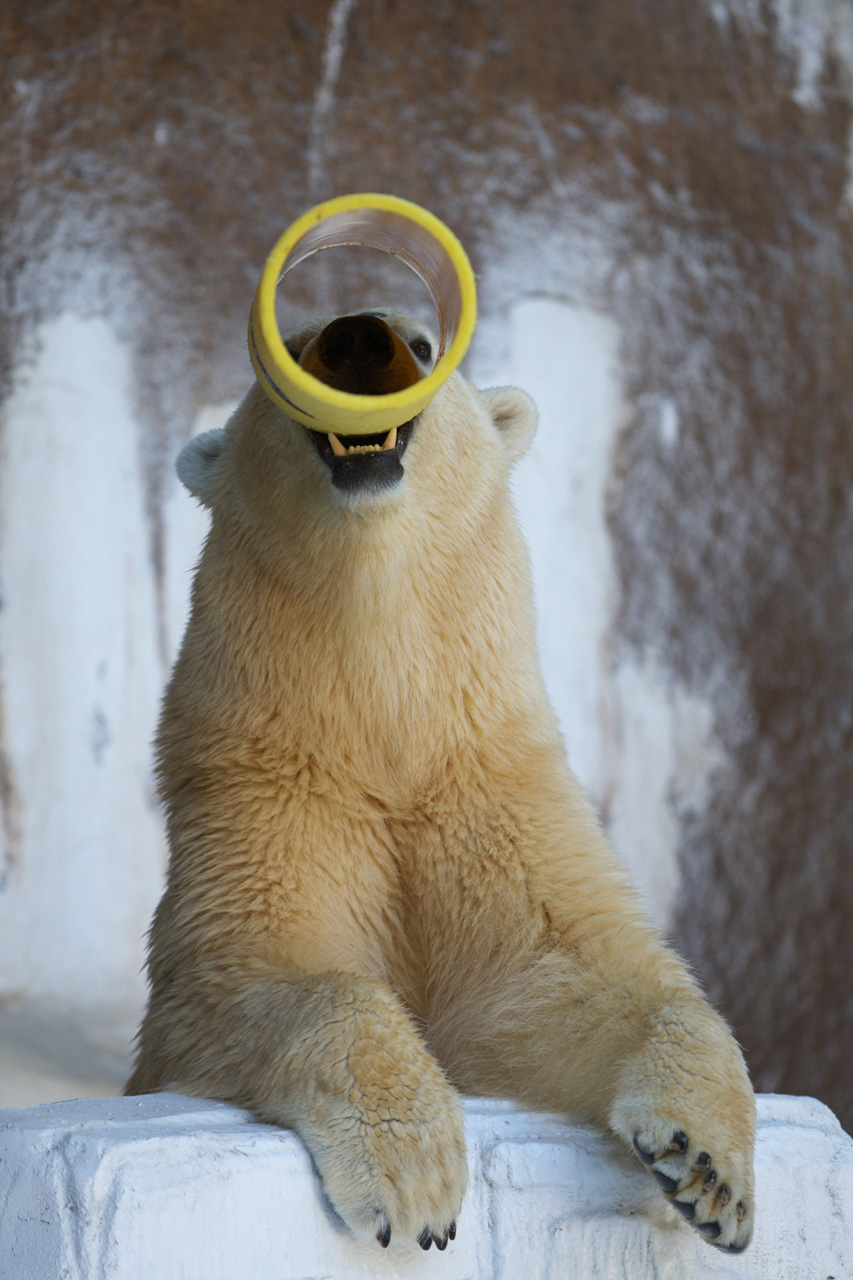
371,461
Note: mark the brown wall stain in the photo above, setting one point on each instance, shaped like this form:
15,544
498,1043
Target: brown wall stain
151,153
10,814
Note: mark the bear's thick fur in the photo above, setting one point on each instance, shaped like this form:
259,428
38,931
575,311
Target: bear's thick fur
386,888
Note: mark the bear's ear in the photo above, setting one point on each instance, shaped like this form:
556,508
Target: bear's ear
197,463
515,415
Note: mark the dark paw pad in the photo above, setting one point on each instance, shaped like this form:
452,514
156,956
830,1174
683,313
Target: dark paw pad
666,1183
451,1231
440,1242
383,1235
686,1210
425,1238
709,1229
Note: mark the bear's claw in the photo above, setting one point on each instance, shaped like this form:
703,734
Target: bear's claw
426,1239
701,1201
647,1157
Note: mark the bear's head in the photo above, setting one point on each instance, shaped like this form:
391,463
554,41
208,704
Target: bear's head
277,477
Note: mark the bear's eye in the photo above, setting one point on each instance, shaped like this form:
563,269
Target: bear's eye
422,349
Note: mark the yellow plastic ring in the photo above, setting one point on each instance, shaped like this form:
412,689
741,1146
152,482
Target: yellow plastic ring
398,227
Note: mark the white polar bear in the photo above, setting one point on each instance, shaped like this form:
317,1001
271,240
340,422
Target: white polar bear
386,888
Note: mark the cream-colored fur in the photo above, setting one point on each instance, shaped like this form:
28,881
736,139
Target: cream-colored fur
386,887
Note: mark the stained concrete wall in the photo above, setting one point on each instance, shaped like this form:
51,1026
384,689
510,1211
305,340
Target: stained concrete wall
657,200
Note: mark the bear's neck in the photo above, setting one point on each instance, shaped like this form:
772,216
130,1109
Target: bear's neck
378,651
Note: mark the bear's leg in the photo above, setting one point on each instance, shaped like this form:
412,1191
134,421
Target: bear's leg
594,1015
337,1059
564,999
612,1030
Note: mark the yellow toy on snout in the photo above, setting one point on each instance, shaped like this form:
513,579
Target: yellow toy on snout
318,390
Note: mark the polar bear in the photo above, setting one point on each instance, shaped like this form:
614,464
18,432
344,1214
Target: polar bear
386,888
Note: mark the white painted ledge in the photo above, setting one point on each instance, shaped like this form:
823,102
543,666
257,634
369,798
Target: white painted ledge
170,1188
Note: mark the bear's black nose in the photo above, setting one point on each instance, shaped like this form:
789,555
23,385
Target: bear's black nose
356,344
363,355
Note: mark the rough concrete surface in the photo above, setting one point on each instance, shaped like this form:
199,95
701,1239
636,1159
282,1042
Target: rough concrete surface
130,1188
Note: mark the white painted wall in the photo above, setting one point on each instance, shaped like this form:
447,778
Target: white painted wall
82,674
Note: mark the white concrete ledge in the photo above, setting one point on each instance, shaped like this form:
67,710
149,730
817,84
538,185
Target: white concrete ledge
170,1188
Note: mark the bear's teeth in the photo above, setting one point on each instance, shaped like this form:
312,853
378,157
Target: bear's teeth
390,442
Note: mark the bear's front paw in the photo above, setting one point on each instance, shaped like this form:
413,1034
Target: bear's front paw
398,1178
705,1188
686,1106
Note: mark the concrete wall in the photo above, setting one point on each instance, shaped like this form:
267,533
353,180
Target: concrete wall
126,1189
656,197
